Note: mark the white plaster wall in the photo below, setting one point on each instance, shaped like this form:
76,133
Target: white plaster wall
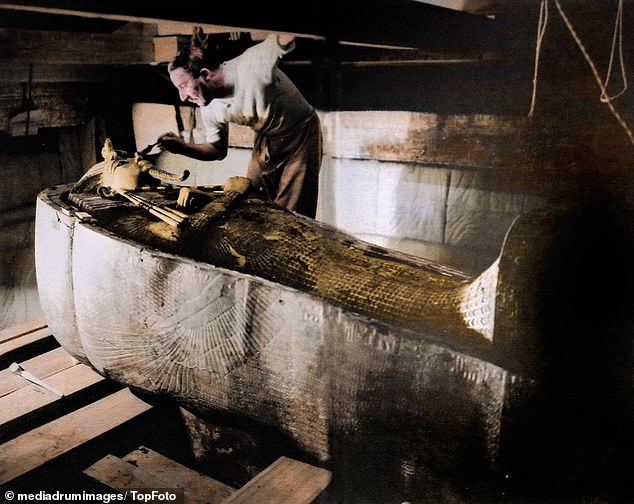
387,198
151,120
438,213
478,217
207,172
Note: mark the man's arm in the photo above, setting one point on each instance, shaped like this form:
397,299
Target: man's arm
204,152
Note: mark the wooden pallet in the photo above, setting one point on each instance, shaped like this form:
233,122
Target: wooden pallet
42,424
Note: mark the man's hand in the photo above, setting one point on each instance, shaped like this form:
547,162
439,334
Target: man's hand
171,142
284,39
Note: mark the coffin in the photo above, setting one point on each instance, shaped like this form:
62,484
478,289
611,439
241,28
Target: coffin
349,351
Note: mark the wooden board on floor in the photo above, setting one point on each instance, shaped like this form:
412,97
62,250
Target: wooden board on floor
285,481
144,468
42,444
22,329
32,397
198,486
121,475
42,366
23,340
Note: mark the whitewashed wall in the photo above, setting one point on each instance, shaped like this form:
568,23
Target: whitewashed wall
151,120
422,183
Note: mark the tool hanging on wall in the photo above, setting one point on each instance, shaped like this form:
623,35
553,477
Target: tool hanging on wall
28,117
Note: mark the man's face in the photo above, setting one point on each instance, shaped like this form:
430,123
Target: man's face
190,89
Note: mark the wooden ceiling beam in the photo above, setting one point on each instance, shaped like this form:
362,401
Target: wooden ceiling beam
130,45
403,23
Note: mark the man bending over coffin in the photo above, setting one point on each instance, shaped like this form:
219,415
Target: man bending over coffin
251,90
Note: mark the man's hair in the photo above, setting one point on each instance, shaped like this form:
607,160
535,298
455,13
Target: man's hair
197,55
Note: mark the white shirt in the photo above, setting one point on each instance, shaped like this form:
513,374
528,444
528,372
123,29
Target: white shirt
264,98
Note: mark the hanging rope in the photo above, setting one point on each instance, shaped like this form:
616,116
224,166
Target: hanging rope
618,34
541,31
595,72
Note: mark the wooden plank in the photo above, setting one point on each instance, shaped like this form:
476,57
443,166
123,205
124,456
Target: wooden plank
34,448
64,102
24,340
144,468
130,45
32,397
22,329
165,48
42,366
197,486
121,475
285,481
167,28
408,24
19,72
